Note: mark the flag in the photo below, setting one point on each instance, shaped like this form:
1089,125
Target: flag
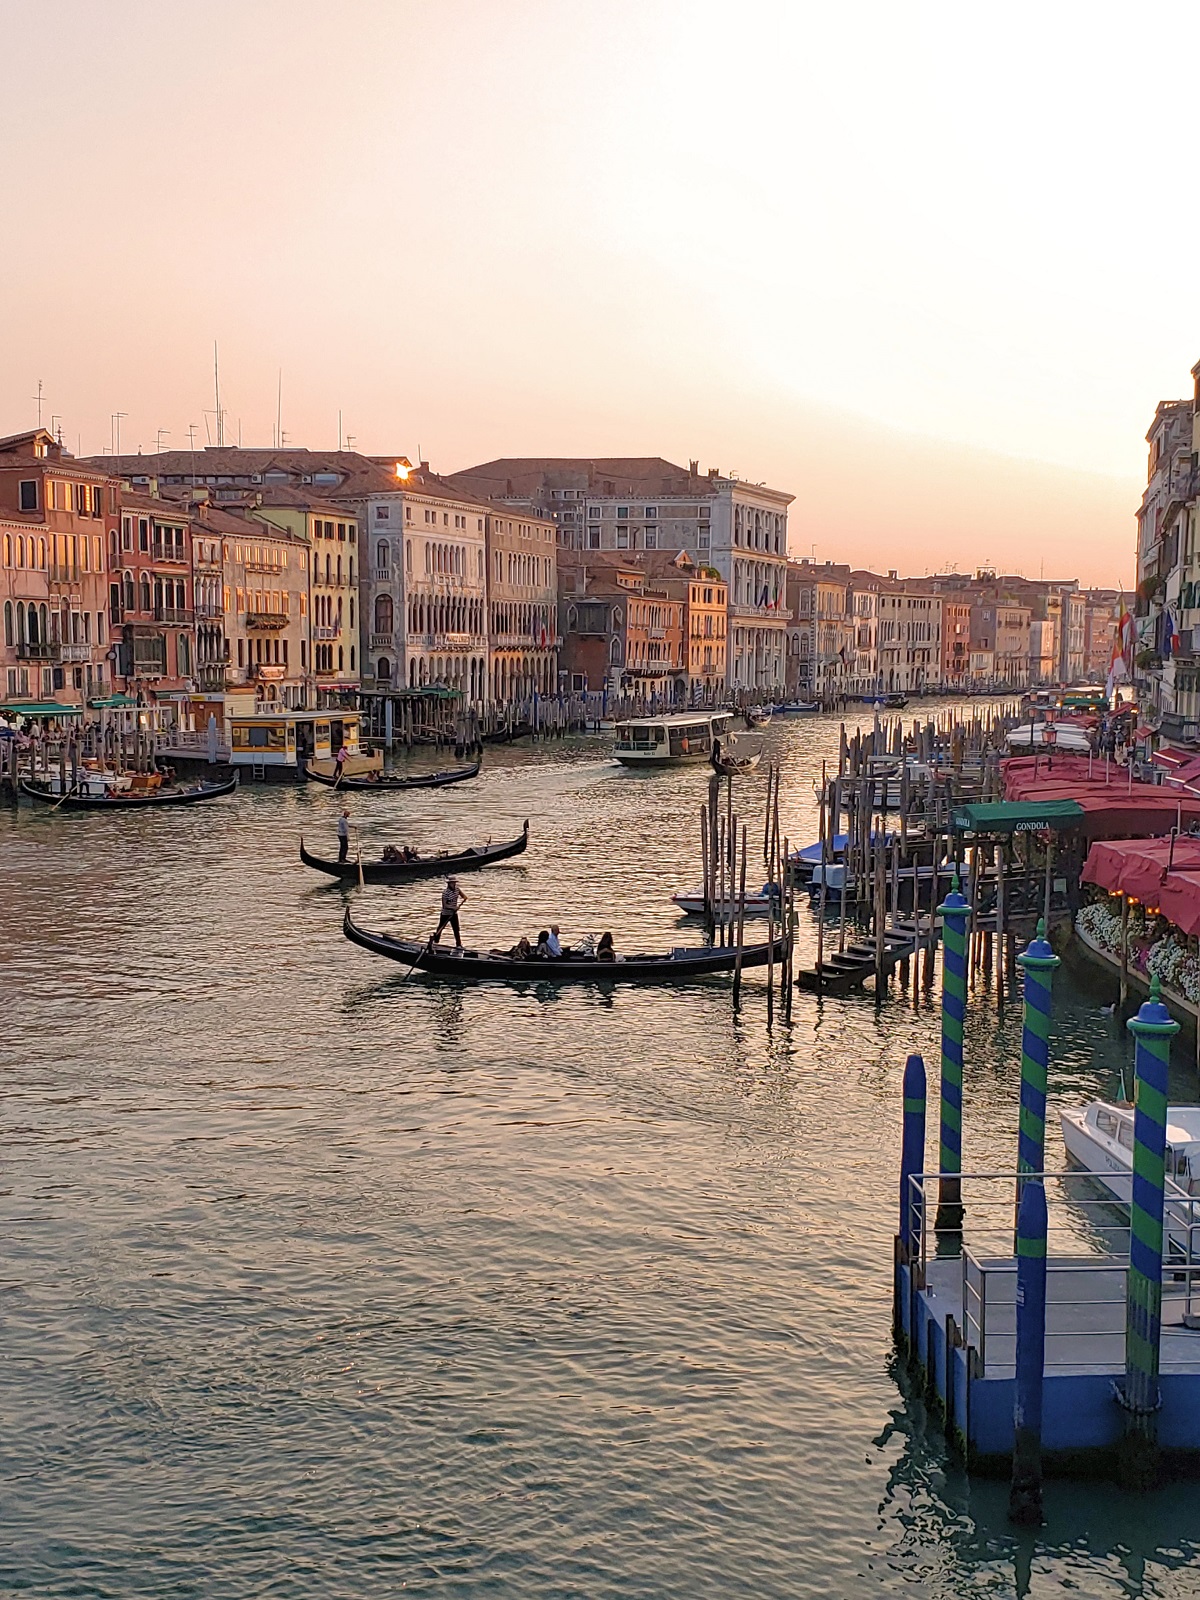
1121,664
1168,635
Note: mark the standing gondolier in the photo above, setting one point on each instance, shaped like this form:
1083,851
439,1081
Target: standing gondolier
343,833
452,898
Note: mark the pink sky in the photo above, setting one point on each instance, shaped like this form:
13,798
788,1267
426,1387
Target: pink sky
894,262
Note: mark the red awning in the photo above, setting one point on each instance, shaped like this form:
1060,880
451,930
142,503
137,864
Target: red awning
1139,867
1114,808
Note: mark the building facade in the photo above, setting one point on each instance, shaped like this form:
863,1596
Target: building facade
57,515
910,638
522,599
632,505
150,600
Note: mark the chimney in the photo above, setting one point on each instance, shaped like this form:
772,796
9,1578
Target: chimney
694,468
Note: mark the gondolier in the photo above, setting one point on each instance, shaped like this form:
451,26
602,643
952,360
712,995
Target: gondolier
343,833
452,898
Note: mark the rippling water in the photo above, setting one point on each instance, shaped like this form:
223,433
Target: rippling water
317,1282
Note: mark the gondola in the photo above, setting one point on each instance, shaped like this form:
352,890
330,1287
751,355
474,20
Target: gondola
129,802
506,733
675,966
426,867
887,702
756,717
430,780
732,766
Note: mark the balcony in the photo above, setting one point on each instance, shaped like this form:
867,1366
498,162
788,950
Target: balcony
326,633
745,613
209,608
37,651
168,553
172,614
383,574
446,641
267,621
274,673
75,652
277,569
211,675
382,641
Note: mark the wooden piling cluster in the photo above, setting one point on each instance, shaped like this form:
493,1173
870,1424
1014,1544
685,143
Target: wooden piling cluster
885,820
724,853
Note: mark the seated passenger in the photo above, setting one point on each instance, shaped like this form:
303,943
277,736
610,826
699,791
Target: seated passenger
521,951
543,946
604,950
554,947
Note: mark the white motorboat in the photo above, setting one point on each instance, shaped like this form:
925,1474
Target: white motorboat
89,781
1099,1140
758,902
1045,737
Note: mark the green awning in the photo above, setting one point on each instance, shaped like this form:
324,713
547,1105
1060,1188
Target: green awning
1017,816
40,708
113,702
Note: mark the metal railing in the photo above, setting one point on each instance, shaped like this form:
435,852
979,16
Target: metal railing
76,652
1087,1251
172,614
37,650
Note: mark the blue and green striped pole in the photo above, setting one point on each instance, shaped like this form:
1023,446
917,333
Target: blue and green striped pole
1153,1030
954,912
1025,1490
1038,964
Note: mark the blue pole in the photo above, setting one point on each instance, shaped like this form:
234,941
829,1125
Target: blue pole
912,1154
954,912
1025,1491
1153,1030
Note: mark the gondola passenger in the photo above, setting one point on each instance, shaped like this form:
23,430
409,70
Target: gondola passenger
604,950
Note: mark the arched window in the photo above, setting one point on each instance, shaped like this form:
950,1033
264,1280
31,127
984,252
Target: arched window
8,553
144,595
383,613
341,659
381,555
128,588
21,634
21,550
383,670
8,622
34,634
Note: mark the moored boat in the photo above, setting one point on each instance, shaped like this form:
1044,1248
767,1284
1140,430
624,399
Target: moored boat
758,902
1049,737
677,965
795,708
377,871
373,784
127,800
1099,1140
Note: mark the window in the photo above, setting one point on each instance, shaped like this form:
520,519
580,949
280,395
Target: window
651,538
622,538
28,494
143,533
622,512
651,513
594,538
381,513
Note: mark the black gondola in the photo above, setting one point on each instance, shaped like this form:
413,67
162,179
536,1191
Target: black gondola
730,765
507,732
129,802
429,780
676,965
426,867
889,702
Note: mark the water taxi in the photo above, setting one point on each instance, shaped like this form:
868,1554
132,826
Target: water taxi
663,741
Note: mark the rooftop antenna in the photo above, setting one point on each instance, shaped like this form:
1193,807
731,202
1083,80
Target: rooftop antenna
192,446
339,430
116,431
279,412
38,398
350,438
56,426
159,435
217,394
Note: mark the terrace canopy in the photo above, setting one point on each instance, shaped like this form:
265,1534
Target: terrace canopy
1151,872
1112,806
1034,816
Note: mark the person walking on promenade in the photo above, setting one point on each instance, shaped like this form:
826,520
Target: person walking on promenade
343,833
452,898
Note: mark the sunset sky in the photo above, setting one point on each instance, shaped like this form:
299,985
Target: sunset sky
929,268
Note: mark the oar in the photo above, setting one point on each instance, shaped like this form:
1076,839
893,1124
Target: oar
358,843
424,950
65,797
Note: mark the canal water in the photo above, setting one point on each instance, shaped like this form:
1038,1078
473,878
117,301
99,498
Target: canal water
321,1282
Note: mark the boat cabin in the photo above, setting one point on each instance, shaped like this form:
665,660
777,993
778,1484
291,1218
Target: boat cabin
1103,1138
283,739
661,740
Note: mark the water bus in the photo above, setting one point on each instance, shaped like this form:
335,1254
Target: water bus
665,741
